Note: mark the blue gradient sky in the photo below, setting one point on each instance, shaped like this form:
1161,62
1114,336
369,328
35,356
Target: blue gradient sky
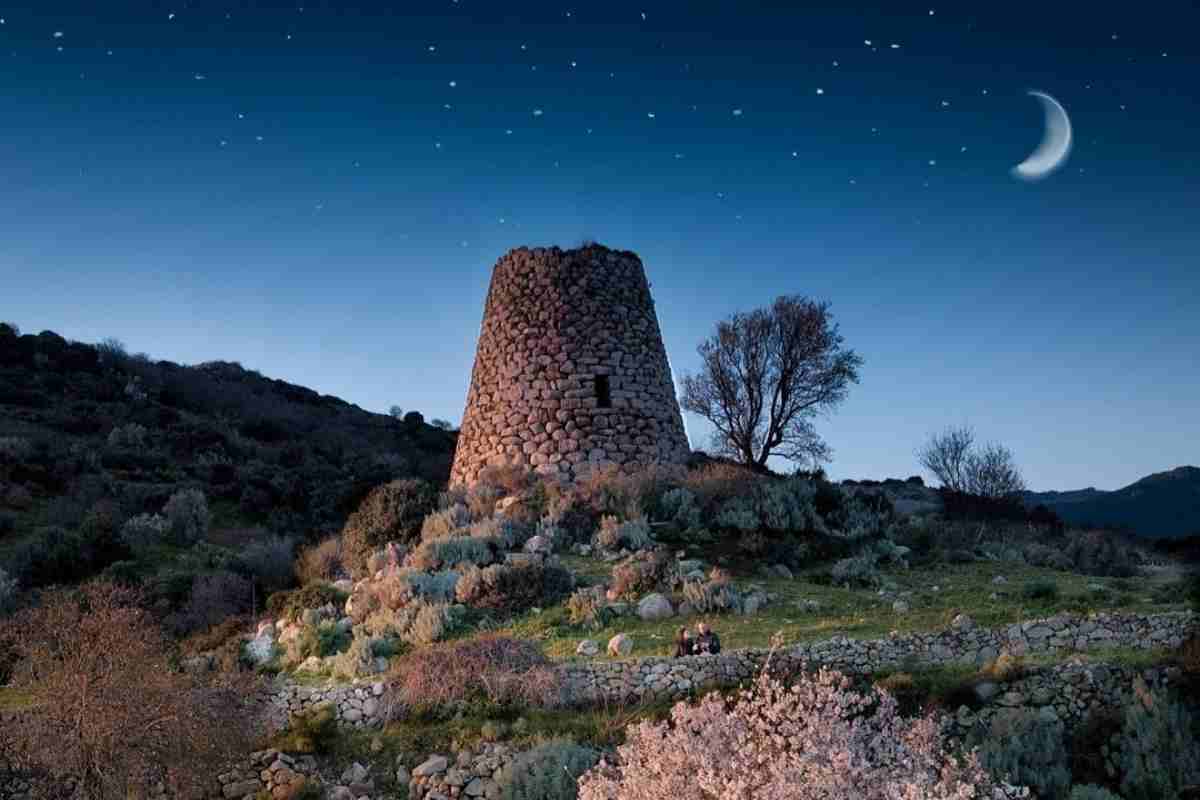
350,248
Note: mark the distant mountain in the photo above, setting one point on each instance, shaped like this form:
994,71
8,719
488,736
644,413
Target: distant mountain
1162,505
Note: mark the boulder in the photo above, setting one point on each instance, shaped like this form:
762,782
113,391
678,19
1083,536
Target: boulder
962,622
434,765
403,777
539,544
781,571
654,607
620,645
587,648
900,607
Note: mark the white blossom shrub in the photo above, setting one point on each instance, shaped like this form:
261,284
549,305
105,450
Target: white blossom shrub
145,530
817,740
187,511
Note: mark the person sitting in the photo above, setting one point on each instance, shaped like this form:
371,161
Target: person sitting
707,642
684,645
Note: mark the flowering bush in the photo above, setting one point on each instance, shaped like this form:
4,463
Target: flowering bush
816,740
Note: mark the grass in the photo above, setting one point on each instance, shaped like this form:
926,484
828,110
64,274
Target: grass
13,699
863,613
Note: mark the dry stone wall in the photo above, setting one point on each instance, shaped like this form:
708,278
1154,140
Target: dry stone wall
570,373
599,682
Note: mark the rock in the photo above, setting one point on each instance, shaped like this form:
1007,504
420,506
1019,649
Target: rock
587,648
900,607
654,607
341,793
505,503
781,571
583,549
685,609
311,664
986,690
241,789
434,765
962,622
403,777
620,645
999,579
538,544
197,664
474,788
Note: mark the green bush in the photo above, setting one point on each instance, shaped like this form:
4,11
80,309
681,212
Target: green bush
514,587
1044,590
1092,792
392,512
1159,752
710,597
291,603
1028,749
311,732
547,772
187,512
452,551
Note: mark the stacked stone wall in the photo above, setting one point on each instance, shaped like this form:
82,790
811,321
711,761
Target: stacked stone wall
570,373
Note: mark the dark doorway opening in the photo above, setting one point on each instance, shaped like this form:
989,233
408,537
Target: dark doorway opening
603,392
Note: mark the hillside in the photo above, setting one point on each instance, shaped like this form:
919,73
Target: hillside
87,428
1162,505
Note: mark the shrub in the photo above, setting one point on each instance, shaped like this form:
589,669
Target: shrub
428,624
450,552
1044,590
445,523
1092,792
857,570
498,670
269,562
213,599
108,711
290,604
547,772
631,535
8,593
1028,749
678,506
355,661
320,562
510,533
8,522
187,512
514,587
587,607
144,531
54,555
15,449
643,572
131,435
817,739
1159,752
392,512
710,597
311,732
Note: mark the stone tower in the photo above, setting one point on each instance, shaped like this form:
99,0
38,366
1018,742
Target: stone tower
571,372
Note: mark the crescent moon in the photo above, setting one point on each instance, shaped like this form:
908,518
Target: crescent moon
1055,146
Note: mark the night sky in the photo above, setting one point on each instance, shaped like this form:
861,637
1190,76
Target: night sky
320,193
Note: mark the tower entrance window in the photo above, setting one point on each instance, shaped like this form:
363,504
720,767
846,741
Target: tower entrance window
603,392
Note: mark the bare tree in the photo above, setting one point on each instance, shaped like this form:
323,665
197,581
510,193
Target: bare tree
766,375
107,710
987,471
946,455
992,472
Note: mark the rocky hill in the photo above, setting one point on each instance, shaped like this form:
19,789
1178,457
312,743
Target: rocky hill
86,426
1162,505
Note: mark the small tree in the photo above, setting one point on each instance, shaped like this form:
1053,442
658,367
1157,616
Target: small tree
945,455
108,711
396,412
766,374
987,471
442,424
